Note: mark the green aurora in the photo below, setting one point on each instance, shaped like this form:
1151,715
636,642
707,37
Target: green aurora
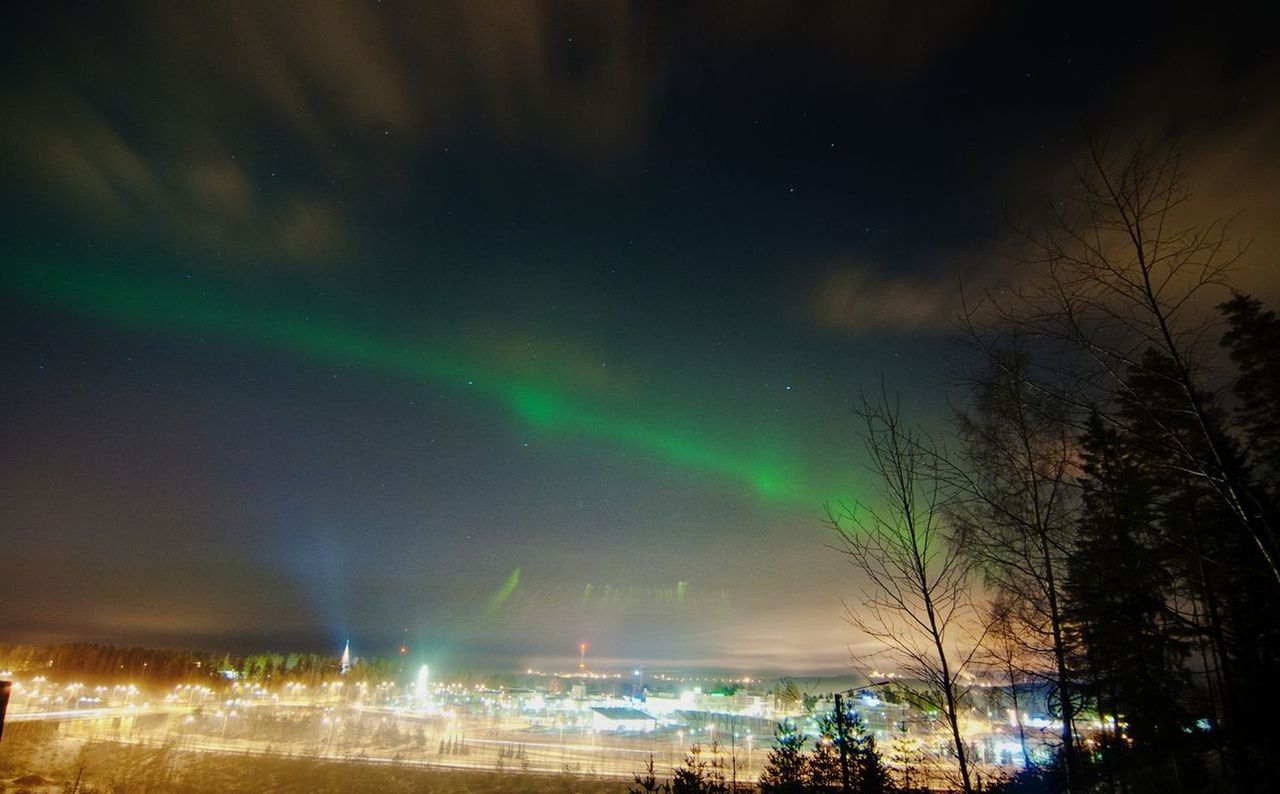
499,598
150,305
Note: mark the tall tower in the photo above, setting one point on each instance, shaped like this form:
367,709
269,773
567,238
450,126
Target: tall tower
345,664
582,656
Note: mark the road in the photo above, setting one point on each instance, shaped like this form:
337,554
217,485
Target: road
469,742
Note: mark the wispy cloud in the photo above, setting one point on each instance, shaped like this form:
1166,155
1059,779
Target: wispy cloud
74,159
260,131
855,298
257,131
929,297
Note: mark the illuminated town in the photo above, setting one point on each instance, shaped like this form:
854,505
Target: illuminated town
623,397
580,721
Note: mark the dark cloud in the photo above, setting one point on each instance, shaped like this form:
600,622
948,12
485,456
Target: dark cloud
260,132
1201,84
249,130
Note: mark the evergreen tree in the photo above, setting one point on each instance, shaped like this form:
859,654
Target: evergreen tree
907,756
822,767
695,776
1223,595
1254,341
866,770
1252,622
869,770
647,783
785,770
1119,589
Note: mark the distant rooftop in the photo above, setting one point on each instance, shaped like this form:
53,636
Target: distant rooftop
621,713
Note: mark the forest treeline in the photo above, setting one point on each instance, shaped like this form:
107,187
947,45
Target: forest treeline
1098,522
1101,518
107,664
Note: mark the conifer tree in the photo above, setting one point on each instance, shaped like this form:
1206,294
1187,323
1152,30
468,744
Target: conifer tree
786,769
1119,592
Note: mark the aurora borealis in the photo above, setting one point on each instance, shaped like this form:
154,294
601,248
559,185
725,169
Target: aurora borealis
552,407
502,327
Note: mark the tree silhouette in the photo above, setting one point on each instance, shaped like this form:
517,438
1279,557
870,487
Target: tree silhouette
785,770
917,605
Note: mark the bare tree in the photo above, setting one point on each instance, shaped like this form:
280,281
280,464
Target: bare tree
1014,510
917,604
1116,319
1004,653
1119,274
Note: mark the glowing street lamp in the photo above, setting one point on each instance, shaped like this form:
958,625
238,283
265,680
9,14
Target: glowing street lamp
226,716
332,723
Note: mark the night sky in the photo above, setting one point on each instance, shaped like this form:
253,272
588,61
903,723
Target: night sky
499,327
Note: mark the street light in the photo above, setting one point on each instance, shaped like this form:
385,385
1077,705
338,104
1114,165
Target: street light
226,716
331,722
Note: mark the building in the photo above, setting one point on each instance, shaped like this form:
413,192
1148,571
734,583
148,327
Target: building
621,718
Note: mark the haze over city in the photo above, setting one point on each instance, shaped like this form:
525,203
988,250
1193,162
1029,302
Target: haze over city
655,357
322,325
